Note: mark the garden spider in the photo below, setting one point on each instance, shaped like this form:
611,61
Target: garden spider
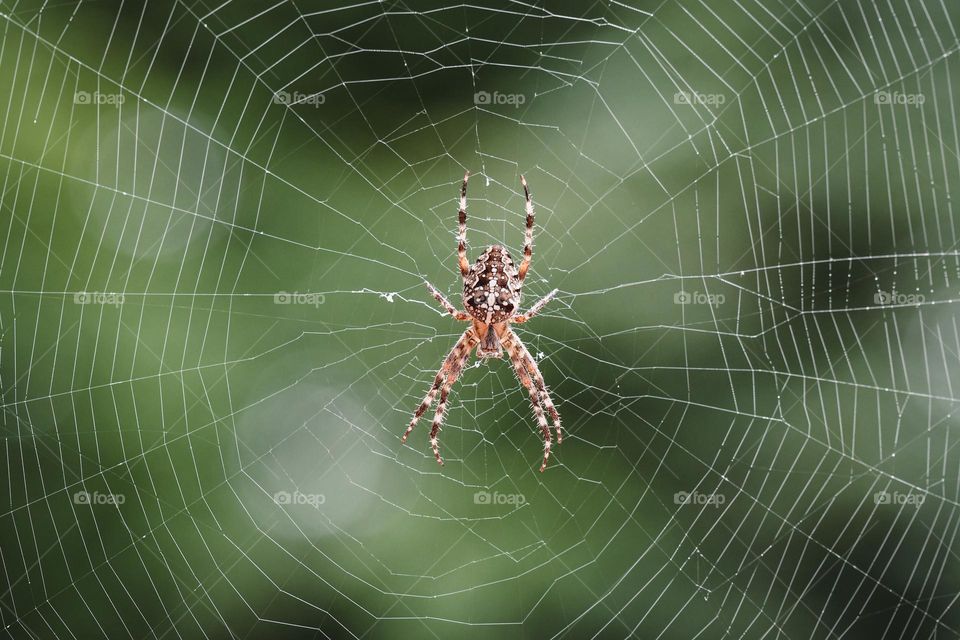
491,294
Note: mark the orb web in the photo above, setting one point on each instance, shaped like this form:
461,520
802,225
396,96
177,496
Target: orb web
217,220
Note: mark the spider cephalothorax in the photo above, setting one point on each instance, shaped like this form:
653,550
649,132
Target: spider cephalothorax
491,297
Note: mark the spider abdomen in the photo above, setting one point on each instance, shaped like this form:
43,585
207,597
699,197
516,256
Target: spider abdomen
491,291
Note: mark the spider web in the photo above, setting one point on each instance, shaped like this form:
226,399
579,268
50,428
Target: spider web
216,223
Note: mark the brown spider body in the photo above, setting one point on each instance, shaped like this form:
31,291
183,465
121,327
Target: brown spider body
491,298
491,293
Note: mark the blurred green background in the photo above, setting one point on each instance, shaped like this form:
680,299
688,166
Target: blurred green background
215,221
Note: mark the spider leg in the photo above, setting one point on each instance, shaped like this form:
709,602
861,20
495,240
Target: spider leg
515,349
541,386
535,309
455,353
455,370
462,229
528,234
459,315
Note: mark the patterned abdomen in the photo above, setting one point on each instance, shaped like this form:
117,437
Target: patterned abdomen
491,292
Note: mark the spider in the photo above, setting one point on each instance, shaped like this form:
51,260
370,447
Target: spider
491,296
